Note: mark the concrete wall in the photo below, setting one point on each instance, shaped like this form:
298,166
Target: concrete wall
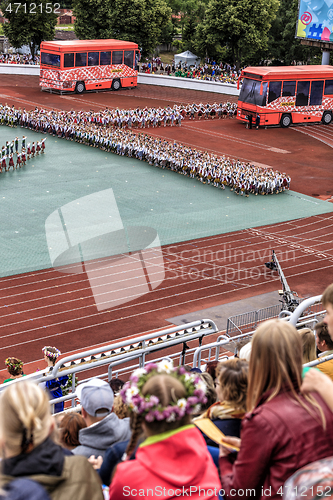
187,83
19,69
143,78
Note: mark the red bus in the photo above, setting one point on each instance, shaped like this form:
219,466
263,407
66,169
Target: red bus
79,65
287,94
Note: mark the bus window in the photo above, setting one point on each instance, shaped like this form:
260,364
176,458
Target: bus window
117,57
274,91
302,96
328,87
80,59
288,89
316,96
93,58
128,58
250,92
105,58
69,60
50,59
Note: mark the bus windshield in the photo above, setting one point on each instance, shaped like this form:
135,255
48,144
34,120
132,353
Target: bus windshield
50,59
250,92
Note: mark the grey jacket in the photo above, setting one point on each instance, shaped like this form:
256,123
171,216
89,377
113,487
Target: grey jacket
95,439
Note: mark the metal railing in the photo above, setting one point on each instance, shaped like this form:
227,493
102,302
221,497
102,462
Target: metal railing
123,352
250,320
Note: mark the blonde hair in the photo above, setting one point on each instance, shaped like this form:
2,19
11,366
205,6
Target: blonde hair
309,345
276,365
327,297
25,417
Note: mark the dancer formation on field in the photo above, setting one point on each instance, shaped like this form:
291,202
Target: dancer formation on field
12,156
112,131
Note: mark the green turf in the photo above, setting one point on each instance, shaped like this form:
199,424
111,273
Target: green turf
179,208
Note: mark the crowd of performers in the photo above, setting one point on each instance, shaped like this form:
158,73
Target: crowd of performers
122,118
103,130
12,155
18,59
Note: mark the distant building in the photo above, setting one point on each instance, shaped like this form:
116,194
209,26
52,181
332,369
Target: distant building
66,17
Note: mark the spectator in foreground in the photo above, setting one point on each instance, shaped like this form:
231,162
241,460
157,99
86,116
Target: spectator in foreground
174,455
283,430
51,354
325,346
309,345
104,428
14,368
25,428
69,427
231,388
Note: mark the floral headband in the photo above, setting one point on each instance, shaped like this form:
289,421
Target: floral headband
49,354
150,407
14,364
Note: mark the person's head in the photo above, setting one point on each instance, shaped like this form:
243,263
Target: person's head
323,339
162,398
276,360
211,368
25,418
116,384
232,382
309,345
51,354
245,352
327,301
96,398
69,427
14,366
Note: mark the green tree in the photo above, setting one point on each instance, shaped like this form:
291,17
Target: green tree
29,23
192,11
241,26
139,21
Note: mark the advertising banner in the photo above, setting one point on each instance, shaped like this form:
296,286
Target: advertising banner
315,20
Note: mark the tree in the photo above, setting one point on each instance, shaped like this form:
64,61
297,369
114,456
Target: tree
139,21
29,23
240,25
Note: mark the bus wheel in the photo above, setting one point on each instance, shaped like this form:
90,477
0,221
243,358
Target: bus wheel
115,84
285,120
79,87
327,117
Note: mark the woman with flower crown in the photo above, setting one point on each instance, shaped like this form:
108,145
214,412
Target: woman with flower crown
54,386
15,369
173,460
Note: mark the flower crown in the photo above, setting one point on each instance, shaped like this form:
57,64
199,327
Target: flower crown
49,354
14,364
150,407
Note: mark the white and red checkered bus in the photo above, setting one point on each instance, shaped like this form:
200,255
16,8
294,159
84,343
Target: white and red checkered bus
286,94
79,65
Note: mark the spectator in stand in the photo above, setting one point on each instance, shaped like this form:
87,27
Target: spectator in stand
283,430
119,407
231,387
69,427
211,368
116,384
104,428
309,345
174,456
325,346
327,301
54,386
14,368
28,451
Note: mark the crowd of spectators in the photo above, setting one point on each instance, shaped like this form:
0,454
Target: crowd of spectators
6,58
275,418
209,71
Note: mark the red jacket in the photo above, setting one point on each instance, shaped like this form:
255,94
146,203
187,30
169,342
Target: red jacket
278,438
171,465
